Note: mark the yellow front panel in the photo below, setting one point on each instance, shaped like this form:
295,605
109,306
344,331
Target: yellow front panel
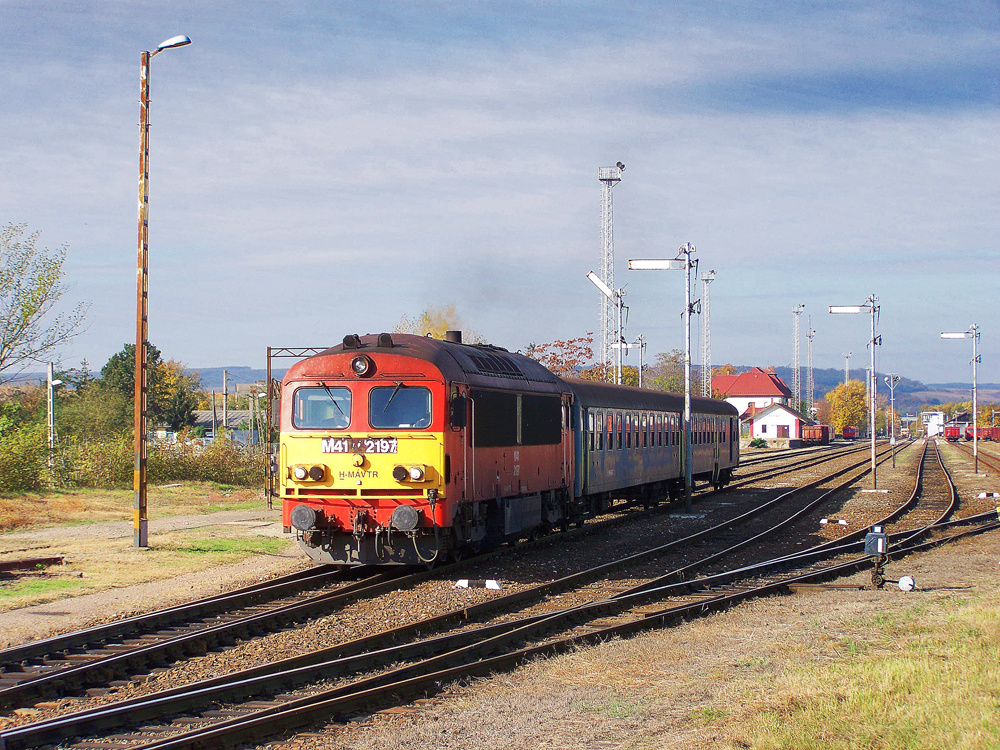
364,469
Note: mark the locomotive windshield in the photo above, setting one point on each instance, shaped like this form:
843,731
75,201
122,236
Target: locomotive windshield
397,406
322,408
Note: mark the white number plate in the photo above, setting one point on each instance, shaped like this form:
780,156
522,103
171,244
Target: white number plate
360,445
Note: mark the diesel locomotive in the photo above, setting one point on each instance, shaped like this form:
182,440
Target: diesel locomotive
404,450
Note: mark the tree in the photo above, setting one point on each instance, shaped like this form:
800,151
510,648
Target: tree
563,357
31,285
172,394
118,373
667,372
178,395
434,322
848,405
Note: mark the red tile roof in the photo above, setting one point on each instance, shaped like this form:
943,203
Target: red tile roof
753,382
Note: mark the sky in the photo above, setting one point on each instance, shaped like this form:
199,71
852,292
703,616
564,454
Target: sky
325,168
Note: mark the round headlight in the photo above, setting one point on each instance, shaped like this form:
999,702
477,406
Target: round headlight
400,474
300,472
316,473
416,473
362,366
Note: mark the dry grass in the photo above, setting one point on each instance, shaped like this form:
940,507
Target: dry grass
185,540
34,510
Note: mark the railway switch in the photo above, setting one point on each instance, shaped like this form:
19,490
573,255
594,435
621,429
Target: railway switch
877,546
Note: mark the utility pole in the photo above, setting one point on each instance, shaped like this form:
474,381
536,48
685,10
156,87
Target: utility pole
796,359
706,336
225,402
810,382
609,177
847,369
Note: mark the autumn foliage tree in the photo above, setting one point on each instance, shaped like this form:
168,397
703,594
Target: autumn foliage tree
848,405
563,357
435,322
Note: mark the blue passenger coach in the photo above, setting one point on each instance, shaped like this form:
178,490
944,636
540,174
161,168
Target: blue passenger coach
629,441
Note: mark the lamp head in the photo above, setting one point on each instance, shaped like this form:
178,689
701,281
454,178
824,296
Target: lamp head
174,41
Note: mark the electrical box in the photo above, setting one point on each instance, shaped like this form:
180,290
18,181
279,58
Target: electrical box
876,543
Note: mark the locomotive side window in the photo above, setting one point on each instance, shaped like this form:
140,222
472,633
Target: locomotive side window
599,424
628,430
610,425
618,422
590,430
495,416
541,420
645,430
399,406
321,408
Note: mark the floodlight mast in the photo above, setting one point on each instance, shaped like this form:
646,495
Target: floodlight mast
681,262
872,307
972,333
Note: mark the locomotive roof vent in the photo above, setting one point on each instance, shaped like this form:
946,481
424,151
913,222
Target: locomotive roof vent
352,341
454,337
385,341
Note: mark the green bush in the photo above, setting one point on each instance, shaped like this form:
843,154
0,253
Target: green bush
101,463
758,443
24,458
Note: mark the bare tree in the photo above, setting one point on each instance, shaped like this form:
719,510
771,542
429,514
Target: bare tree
31,285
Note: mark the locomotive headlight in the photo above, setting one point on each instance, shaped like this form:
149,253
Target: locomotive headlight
362,366
316,473
300,473
416,473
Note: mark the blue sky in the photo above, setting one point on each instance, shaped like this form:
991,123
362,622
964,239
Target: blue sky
318,169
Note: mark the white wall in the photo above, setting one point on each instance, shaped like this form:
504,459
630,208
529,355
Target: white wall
767,428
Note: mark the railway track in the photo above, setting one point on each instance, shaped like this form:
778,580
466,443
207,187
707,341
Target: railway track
371,651
986,458
93,658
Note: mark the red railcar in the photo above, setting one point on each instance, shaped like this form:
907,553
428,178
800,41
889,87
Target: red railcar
985,433
952,432
816,434
850,433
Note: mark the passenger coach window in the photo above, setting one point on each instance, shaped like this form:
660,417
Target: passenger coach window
399,406
321,408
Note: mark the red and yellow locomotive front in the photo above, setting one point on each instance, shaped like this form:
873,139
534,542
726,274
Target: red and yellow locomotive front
362,468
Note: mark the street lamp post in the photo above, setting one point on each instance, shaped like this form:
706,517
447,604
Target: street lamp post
871,307
140,536
972,333
51,416
847,368
684,263
891,380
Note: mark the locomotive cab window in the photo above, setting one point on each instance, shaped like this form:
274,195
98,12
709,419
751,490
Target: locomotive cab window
321,408
399,406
